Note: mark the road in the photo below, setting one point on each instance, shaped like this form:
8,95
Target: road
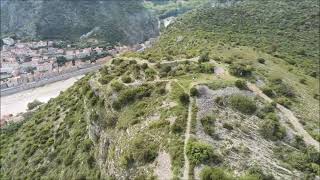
42,82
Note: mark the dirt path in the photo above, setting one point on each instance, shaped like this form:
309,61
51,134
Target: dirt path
163,168
288,114
187,137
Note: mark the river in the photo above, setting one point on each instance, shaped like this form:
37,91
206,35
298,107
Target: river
17,103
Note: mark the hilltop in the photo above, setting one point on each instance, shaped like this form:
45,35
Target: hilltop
204,102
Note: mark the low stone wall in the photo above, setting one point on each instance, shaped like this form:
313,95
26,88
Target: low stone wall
42,82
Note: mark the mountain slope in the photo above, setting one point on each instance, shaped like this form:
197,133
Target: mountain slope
110,21
190,115
286,29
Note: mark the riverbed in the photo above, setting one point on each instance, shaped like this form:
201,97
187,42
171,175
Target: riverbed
17,103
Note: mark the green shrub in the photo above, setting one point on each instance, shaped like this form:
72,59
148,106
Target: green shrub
228,126
241,70
303,81
132,62
256,172
116,61
199,153
272,129
34,104
284,101
168,57
281,88
243,104
241,84
165,69
269,92
110,119
117,86
144,66
220,101
208,124
126,79
180,123
269,108
162,91
206,68
184,98
86,146
194,92
143,150
204,57
209,173
261,60
129,95
105,79
68,160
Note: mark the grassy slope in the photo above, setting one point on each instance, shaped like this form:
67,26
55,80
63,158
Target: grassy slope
285,33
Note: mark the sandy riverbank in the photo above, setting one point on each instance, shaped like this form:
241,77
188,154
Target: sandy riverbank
16,103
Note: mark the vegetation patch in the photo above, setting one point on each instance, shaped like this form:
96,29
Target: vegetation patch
208,124
243,104
34,104
200,153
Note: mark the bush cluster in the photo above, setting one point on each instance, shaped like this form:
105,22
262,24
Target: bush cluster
194,92
243,104
208,124
199,153
241,84
126,79
129,95
210,173
241,69
184,98
271,128
204,57
34,104
105,79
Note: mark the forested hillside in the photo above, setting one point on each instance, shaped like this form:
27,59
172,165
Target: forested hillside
108,21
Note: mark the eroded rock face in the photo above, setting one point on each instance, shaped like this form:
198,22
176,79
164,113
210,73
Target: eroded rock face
118,21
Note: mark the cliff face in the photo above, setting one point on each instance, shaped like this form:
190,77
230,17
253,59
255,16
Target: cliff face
112,21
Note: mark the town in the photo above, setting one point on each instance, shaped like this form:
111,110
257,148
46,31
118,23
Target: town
27,62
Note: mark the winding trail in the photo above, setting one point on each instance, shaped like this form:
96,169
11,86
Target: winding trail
308,139
187,137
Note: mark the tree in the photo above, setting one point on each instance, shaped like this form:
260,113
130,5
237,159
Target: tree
204,57
61,60
34,104
194,91
184,98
